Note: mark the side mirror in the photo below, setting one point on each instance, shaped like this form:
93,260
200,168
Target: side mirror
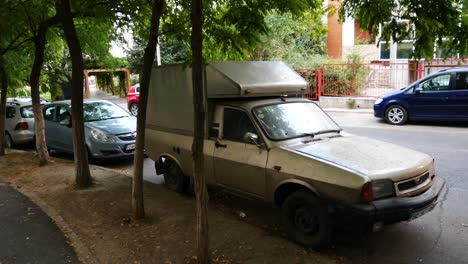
65,122
418,90
250,138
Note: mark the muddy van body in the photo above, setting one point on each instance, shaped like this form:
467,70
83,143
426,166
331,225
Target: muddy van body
264,141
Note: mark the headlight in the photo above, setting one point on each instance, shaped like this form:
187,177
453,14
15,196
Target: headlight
377,189
378,101
101,136
382,188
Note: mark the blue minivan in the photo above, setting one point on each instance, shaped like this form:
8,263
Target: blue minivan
439,96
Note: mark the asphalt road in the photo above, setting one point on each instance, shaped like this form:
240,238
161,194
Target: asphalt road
28,235
441,236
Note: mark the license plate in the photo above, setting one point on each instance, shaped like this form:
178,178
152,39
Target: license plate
130,147
423,211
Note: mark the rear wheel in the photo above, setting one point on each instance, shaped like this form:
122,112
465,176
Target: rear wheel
134,109
174,179
306,219
8,141
396,115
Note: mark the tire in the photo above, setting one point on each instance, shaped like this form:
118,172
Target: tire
396,115
306,219
8,141
133,109
174,178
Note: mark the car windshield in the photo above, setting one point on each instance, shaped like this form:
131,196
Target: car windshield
27,112
291,120
95,111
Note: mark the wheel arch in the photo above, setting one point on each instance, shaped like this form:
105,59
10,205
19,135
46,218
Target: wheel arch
286,188
158,163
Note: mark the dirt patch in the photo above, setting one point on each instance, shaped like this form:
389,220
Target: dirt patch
101,219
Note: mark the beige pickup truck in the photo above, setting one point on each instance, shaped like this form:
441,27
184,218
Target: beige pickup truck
265,142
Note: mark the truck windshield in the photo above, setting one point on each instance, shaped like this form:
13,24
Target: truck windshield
294,119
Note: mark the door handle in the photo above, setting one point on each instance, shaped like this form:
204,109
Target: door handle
219,145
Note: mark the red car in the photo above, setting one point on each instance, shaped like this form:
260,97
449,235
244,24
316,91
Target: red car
133,99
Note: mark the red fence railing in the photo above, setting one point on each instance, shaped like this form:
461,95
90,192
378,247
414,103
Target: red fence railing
367,79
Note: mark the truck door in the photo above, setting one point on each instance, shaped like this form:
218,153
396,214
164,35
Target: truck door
238,165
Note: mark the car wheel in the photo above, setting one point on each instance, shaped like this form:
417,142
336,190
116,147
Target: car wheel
396,115
306,219
174,179
134,109
8,141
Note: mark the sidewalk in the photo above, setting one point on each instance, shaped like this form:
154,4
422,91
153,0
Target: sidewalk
98,220
27,234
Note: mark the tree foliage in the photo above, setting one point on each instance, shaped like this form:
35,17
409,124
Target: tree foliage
428,23
294,39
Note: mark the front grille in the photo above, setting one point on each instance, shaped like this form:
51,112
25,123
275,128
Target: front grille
127,137
413,184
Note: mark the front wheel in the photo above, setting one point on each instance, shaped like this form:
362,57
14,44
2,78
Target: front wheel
174,178
306,219
396,115
134,109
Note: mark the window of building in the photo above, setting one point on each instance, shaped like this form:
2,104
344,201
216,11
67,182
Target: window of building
404,50
384,50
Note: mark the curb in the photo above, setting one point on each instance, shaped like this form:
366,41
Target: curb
83,253
354,111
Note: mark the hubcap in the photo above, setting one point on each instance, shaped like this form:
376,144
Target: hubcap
396,115
306,220
134,109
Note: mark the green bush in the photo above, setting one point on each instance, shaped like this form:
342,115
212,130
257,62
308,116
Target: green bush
345,79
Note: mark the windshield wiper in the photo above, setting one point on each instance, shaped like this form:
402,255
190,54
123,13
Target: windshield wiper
113,117
328,131
307,134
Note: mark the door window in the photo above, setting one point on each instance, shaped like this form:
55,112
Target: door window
236,124
437,83
461,81
49,113
63,113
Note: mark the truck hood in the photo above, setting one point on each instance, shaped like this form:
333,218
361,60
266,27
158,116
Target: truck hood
115,126
372,158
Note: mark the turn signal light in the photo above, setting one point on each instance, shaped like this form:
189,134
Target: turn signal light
21,126
367,195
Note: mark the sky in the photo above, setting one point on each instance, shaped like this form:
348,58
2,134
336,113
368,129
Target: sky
117,49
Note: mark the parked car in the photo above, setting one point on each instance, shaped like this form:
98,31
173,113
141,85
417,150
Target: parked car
286,151
19,122
439,96
110,132
133,99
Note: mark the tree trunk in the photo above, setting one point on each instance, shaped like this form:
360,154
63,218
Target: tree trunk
82,173
203,250
3,97
39,126
111,81
148,58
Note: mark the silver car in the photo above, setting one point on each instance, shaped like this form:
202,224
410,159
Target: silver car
110,131
19,125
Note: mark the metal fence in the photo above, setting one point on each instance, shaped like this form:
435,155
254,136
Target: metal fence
369,79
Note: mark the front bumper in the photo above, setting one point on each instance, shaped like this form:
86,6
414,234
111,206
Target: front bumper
379,111
396,209
100,150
